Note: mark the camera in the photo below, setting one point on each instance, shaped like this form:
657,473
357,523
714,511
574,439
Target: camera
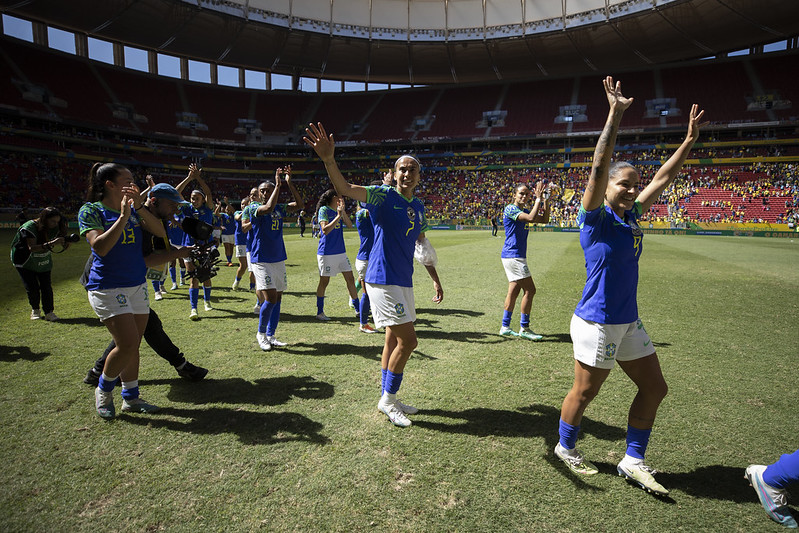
72,237
204,255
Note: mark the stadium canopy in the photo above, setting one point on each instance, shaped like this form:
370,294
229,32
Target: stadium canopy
427,41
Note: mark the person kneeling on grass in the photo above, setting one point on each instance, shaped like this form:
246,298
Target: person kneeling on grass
163,204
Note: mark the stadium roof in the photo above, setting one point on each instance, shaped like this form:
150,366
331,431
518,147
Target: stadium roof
427,41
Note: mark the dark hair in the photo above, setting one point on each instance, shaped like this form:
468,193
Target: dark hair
42,231
519,186
98,175
325,198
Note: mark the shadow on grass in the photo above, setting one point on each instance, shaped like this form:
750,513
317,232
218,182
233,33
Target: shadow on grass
15,353
265,391
716,482
91,321
249,427
459,336
373,353
311,318
448,312
534,421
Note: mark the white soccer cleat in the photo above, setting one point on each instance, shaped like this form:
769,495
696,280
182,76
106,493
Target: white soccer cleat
275,343
393,413
193,315
208,307
263,342
575,460
642,475
157,296
323,317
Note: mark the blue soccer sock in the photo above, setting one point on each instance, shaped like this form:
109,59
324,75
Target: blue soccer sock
252,285
207,294
506,316
524,320
356,305
320,305
637,441
229,258
156,285
173,273
264,315
130,389
365,307
106,383
392,382
182,275
383,371
194,296
271,326
568,435
784,472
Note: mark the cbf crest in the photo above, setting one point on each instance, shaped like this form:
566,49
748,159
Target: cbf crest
610,350
636,229
411,213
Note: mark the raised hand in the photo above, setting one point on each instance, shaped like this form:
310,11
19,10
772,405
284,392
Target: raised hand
340,205
133,194
194,171
317,138
150,181
616,100
539,190
287,174
694,123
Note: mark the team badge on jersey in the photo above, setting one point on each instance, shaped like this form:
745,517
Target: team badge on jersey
122,299
411,213
400,309
610,350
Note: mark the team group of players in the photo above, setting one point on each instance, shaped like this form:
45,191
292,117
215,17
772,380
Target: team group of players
605,327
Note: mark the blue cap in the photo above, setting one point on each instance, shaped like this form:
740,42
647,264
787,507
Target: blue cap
166,191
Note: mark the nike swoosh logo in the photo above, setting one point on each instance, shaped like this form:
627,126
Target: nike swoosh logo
646,343
398,207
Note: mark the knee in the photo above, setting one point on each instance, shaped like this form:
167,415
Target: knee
583,395
657,391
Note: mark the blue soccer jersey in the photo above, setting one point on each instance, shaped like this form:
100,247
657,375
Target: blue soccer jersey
366,232
397,223
612,247
331,243
515,233
239,237
123,265
267,241
247,216
203,213
228,226
175,232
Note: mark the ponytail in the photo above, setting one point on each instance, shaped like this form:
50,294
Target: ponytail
325,199
98,175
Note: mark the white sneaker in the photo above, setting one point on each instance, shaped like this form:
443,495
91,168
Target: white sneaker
575,460
51,317
36,314
642,475
505,331
193,315
407,409
174,287
158,296
137,405
773,500
276,343
208,307
530,335
235,285
323,317
366,328
257,309
104,403
263,342
393,413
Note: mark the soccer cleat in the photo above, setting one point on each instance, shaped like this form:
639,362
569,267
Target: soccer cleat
51,317
530,335
323,317
393,413
229,264
193,315
208,307
407,409
174,287
36,314
263,342
158,296
137,405
366,328
643,476
575,461
104,402
505,331
274,342
256,309
92,378
191,372
350,304
773,500
235,285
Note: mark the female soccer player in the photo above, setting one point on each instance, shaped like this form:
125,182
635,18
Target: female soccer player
605,327
31,255
112,222
268,254
201,208
366,233
399,222
514,256
331,254
240,241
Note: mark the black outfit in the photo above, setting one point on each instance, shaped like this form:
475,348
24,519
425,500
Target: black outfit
38,283
301,222
154,333
494,226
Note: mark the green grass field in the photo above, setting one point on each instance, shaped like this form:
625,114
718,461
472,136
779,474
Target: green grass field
291,440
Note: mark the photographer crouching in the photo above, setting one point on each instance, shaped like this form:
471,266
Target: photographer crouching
31,254
163,202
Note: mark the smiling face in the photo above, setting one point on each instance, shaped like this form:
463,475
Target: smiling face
265,191
407,175
521,196
197,199
622,190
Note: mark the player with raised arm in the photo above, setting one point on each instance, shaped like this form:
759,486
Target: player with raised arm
605,327
399,223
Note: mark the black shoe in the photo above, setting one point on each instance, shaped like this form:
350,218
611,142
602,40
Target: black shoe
92,378
192,373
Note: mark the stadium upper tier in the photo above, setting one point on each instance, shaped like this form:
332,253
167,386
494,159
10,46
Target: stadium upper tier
65,88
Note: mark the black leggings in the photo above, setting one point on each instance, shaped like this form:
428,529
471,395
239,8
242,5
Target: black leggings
39,287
